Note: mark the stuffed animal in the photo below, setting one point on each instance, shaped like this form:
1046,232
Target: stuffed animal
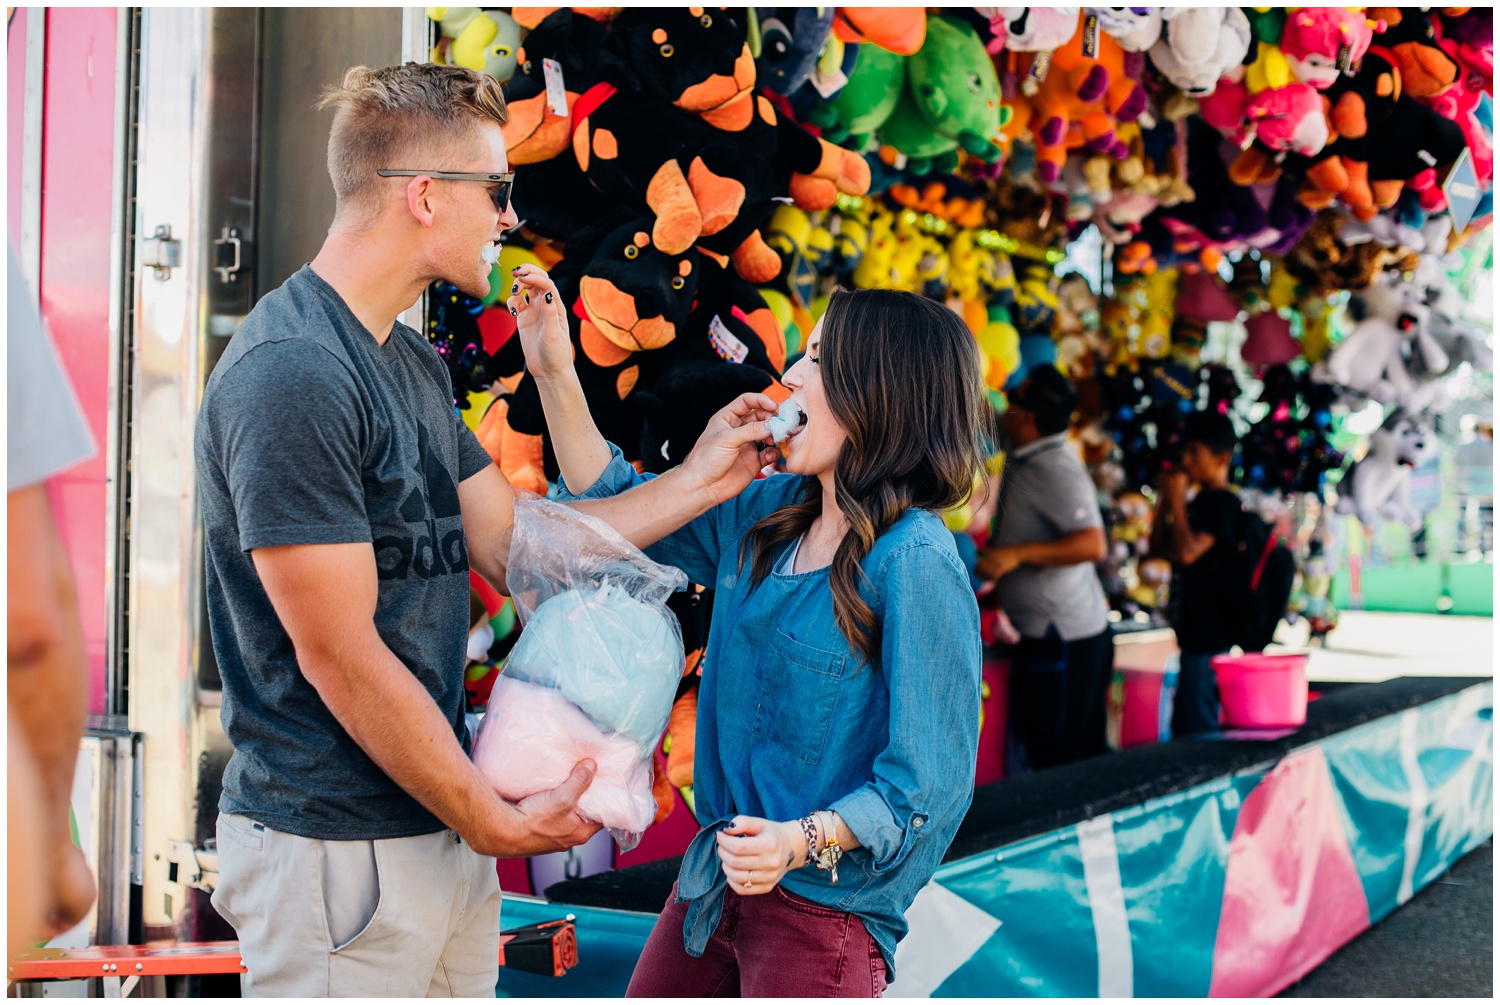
1199,45
951,100
481,39
900,30
709,170
1321,43
866,101
1268,341
790,41
551,195
476,353
1036,29
1080,91
682,400
627,300
1136,29
1378,486
1371,361
1410,42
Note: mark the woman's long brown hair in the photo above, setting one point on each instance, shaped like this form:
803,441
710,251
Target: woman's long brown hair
902,378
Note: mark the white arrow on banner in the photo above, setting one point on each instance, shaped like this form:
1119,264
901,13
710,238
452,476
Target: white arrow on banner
945,930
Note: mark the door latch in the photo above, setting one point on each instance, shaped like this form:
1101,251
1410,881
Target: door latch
161,252
227,254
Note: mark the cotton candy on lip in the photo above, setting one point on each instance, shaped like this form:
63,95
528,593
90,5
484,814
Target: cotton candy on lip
490,254
531,739
787,418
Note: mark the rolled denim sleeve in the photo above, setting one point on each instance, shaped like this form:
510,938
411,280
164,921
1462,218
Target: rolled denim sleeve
697,547
619,475
923,780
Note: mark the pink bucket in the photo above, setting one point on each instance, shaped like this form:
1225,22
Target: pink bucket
1263,692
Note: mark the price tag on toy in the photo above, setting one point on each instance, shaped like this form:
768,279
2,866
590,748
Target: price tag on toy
557,94
725,343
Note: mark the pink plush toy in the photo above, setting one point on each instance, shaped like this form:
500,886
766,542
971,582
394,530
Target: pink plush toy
532,738
1268,341
1289,118
1320,43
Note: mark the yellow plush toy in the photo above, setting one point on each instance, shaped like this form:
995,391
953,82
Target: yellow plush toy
999,348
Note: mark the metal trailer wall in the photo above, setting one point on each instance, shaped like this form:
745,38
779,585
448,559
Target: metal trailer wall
167,169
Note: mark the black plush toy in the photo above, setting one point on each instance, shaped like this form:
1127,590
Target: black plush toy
453,329
678,130
551,194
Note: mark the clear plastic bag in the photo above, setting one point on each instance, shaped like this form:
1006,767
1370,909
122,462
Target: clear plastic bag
593,673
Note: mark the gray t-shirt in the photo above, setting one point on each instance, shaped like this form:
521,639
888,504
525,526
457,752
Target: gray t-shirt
313,433
1046,494
47,433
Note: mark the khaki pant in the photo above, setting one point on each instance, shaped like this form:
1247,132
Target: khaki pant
403,917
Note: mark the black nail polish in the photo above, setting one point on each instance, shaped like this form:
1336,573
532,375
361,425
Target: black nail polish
512,312
549,298
515,287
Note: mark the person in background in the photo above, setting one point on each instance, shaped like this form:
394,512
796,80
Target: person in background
1050,534
47,683
1201,539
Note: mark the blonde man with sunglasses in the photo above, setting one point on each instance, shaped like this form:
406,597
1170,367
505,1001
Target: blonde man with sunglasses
344,505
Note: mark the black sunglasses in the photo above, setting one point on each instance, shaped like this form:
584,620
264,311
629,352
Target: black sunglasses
499,195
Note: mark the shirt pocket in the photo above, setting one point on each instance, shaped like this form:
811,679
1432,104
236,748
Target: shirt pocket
798,689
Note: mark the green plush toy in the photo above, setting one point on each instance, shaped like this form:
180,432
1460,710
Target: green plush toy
867,100
951,100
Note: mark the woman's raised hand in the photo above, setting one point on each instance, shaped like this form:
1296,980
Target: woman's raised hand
541,322
729,454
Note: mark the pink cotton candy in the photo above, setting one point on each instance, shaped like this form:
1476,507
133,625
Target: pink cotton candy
532,737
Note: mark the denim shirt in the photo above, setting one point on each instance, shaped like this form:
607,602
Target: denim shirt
791,719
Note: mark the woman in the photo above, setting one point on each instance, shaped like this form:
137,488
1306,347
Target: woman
838,714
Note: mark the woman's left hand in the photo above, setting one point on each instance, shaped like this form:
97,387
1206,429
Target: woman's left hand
755,853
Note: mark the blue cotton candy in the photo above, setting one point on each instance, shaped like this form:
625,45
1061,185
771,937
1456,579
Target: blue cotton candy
616,658
786,419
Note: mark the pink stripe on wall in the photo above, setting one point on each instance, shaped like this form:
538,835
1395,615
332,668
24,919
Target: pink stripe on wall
1292,894
78,126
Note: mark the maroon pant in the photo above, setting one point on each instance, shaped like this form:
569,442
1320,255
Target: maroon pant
773,945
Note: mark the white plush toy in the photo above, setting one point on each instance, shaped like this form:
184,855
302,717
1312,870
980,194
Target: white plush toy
1135,31
1199,45
1378,487
1370,362
1037,29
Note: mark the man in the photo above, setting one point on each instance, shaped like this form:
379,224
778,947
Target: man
1050,535
344,503
47,682
1201,539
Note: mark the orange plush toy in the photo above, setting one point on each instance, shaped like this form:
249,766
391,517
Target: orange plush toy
1078,94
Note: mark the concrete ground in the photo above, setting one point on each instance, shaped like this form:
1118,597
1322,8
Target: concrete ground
1373,646
1440,944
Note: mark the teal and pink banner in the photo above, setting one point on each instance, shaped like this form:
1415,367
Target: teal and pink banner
1238,887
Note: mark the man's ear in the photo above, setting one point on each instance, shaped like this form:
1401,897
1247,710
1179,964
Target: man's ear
420,193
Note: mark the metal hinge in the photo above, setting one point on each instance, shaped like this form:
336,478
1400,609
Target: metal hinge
161,252
227,254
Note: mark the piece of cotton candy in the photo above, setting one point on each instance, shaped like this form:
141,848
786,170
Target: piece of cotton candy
786,419
490,254
618,659
530,741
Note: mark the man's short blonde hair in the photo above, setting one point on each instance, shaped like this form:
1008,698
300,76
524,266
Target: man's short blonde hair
404,117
